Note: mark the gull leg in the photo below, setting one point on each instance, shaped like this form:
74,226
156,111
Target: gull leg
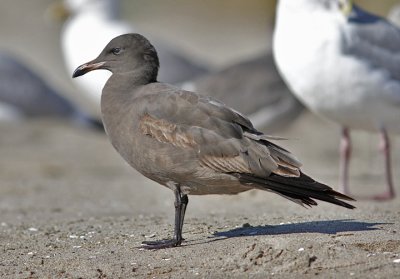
184,201
181,202
384,147
345,153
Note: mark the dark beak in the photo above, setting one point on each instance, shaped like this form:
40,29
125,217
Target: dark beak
87,67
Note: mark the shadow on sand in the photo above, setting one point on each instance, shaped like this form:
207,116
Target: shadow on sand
325,227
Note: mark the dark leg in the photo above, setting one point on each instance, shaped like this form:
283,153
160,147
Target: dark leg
345,153
385,149
184,201
181,202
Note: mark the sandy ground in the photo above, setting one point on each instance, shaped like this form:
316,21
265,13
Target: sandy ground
71,208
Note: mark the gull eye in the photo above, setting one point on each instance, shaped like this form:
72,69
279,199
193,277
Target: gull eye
116,51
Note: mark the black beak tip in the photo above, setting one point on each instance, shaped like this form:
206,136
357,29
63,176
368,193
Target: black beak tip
78,72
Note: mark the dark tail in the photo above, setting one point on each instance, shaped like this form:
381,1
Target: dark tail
301,190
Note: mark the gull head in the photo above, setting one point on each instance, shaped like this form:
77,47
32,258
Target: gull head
125,54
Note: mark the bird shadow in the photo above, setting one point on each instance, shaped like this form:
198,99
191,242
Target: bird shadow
330,227
324,227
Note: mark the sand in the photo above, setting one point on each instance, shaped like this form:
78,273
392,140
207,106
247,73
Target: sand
71,208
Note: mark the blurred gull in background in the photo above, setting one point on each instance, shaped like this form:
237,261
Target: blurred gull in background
92,24
23,93
255,88
394,15
344,64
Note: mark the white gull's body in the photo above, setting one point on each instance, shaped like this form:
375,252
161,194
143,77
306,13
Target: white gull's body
335,68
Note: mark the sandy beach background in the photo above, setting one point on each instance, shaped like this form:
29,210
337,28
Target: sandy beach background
71,208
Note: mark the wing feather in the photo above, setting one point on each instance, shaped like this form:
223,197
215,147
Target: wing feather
224,140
